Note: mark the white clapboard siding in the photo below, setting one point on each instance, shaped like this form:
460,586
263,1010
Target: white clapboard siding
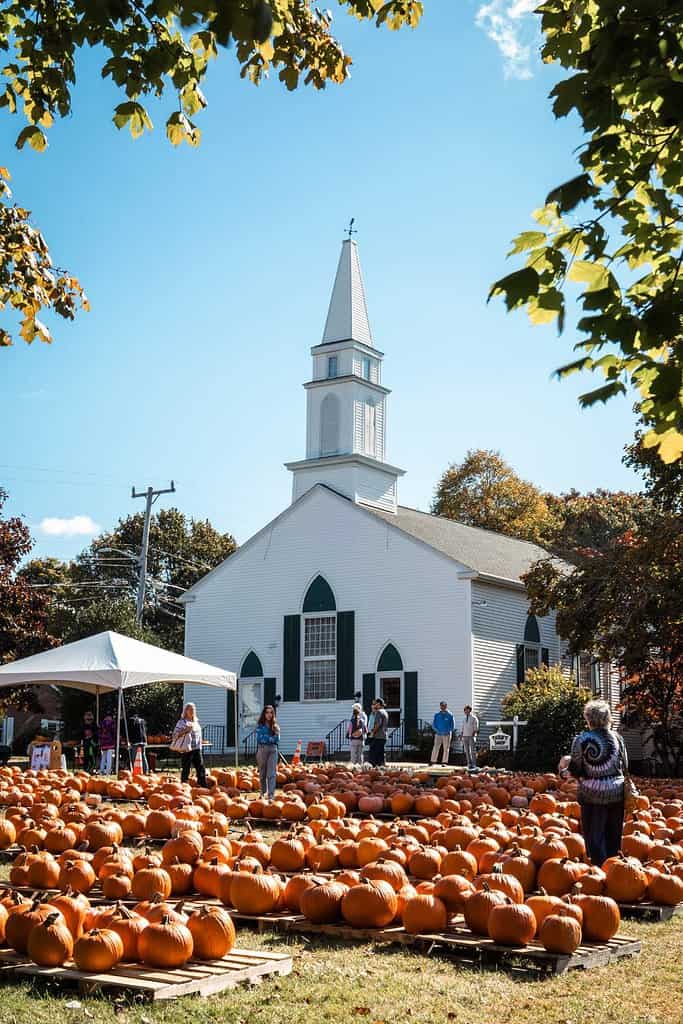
401,591
499,615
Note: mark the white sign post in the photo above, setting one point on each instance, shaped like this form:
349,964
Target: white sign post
515,723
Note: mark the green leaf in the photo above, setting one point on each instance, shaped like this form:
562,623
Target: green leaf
594,275
571,193
669,443
527,240
603,394
517,288
548,306
134,115
34,136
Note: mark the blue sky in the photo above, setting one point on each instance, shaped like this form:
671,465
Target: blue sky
209,274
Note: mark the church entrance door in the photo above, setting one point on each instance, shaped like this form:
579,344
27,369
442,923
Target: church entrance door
251,705
390,692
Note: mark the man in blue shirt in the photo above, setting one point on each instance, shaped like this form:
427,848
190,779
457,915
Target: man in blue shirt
443,726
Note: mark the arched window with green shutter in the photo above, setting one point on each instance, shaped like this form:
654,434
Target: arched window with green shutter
251,666
319,597
390,660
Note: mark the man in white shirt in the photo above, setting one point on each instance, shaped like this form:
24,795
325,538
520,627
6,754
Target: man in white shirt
468,735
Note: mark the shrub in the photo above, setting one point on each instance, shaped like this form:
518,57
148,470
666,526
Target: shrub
552,705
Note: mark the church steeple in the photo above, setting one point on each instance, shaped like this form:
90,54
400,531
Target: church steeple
346,401
347,316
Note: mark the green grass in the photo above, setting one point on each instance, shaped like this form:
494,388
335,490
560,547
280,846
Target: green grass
339,982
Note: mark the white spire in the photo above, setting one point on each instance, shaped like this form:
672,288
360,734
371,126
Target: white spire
347,317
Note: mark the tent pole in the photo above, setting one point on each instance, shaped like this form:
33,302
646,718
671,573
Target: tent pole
237,731
97,706
118,730
125,726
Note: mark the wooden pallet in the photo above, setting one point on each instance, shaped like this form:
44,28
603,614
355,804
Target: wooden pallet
649,912
470,950
198,977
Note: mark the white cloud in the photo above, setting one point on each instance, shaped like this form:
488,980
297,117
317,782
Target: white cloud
511,26
76,526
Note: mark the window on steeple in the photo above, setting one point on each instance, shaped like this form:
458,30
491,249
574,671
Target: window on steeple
329,425
331,366
366,366
370,428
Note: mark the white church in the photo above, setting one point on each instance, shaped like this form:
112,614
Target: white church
347,594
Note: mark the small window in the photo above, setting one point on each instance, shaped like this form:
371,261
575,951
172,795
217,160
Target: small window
366,366
331,366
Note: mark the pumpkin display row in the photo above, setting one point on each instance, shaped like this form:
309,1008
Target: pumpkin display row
471,841
65,927
52,932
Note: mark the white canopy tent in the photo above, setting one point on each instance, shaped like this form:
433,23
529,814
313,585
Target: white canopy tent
110,661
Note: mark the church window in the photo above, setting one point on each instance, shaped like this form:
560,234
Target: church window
329,425
320,657
532,643
331,366
366,366
370,427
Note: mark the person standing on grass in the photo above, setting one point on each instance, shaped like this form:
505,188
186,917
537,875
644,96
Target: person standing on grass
377,737
468,735
356,732
137,736
89,740
107,744
267,751
443,726
187,741
598,759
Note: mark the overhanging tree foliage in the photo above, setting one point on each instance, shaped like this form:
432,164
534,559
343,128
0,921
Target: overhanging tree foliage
616,228
625,605
149,50
23,611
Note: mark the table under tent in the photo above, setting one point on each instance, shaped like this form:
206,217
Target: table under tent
109,662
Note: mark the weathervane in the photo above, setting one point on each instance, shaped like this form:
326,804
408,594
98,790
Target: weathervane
351,231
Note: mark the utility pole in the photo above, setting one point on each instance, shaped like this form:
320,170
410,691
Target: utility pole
150,496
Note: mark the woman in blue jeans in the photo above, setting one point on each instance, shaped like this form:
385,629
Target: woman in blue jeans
267,742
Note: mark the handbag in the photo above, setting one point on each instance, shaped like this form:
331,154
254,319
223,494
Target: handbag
180,745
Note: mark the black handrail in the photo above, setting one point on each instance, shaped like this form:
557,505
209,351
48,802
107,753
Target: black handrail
215,735
405,735
334,739
250,744
396,738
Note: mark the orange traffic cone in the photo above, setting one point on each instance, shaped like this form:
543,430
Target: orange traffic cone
137,764
296,759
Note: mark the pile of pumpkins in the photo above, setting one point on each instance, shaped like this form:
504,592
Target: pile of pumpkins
55,930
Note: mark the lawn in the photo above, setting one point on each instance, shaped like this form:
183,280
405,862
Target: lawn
338,982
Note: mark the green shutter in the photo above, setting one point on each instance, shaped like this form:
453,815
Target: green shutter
291,668
520,664
410,704
545,655
230,717
368,689
346,649
269,691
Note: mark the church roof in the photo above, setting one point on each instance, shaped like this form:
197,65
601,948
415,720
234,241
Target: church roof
347,317
489,554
